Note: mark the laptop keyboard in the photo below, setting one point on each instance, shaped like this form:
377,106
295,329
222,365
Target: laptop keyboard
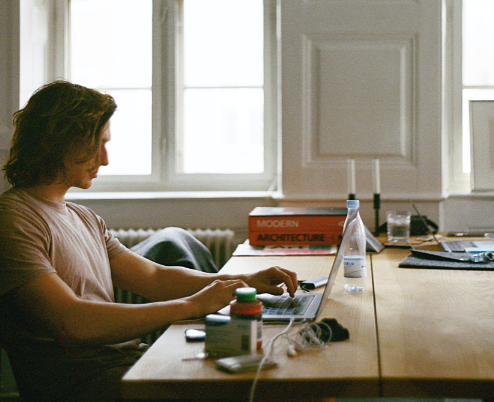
458,246
286,305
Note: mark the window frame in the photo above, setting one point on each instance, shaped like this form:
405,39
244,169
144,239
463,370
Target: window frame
453,141
164,176
456,103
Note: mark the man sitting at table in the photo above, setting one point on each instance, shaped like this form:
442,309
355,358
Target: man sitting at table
66,338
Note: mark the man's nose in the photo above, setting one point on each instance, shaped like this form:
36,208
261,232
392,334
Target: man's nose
104,160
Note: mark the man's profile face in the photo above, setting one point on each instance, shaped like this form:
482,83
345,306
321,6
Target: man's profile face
81,175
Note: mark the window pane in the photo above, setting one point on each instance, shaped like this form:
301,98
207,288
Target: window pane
478,36
223,131
111,43
130,146
223,43
106,54
223,97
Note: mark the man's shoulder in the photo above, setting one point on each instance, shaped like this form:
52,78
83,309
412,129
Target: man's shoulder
14,197
10,193
18,210
79,208
84,212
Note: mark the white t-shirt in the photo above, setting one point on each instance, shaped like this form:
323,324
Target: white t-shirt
38,237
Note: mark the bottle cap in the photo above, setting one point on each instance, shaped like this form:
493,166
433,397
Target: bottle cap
352,203
246,294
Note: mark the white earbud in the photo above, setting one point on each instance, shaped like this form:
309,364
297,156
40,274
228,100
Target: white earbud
291,351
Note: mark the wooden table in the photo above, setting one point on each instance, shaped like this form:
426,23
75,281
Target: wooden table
413,333
435,330
348,368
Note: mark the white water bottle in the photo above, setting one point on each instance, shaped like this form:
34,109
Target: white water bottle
354,260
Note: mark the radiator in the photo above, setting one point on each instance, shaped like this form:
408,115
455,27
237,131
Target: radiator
219,241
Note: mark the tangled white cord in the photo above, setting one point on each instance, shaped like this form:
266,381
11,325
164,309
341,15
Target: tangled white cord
309,336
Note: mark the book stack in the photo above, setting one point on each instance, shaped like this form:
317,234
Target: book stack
269,226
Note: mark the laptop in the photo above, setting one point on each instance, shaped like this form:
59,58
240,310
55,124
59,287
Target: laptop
465,246
459,246
304,306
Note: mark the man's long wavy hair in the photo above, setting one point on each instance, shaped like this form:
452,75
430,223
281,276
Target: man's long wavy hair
60,122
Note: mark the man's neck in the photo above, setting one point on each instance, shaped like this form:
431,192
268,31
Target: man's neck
51,192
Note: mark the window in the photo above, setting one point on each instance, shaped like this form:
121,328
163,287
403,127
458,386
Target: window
478,61
194,80
471,66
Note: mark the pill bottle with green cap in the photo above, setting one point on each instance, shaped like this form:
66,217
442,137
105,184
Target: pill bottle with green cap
247,307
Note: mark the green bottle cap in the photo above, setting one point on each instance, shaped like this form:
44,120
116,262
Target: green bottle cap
246,294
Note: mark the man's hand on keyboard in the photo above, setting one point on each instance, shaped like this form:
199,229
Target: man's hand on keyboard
268,280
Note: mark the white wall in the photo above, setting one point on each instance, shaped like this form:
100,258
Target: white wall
360,78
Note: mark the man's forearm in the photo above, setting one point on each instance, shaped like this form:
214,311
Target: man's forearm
108,323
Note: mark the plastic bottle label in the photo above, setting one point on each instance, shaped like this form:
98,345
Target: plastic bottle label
354,266
249,311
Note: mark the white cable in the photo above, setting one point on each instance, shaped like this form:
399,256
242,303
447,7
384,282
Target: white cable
266,355
308,336
312,333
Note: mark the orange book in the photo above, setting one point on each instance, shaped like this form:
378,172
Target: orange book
296,226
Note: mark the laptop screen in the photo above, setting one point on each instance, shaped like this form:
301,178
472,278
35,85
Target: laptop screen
337,262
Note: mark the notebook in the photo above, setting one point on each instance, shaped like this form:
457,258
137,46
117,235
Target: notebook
311,302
